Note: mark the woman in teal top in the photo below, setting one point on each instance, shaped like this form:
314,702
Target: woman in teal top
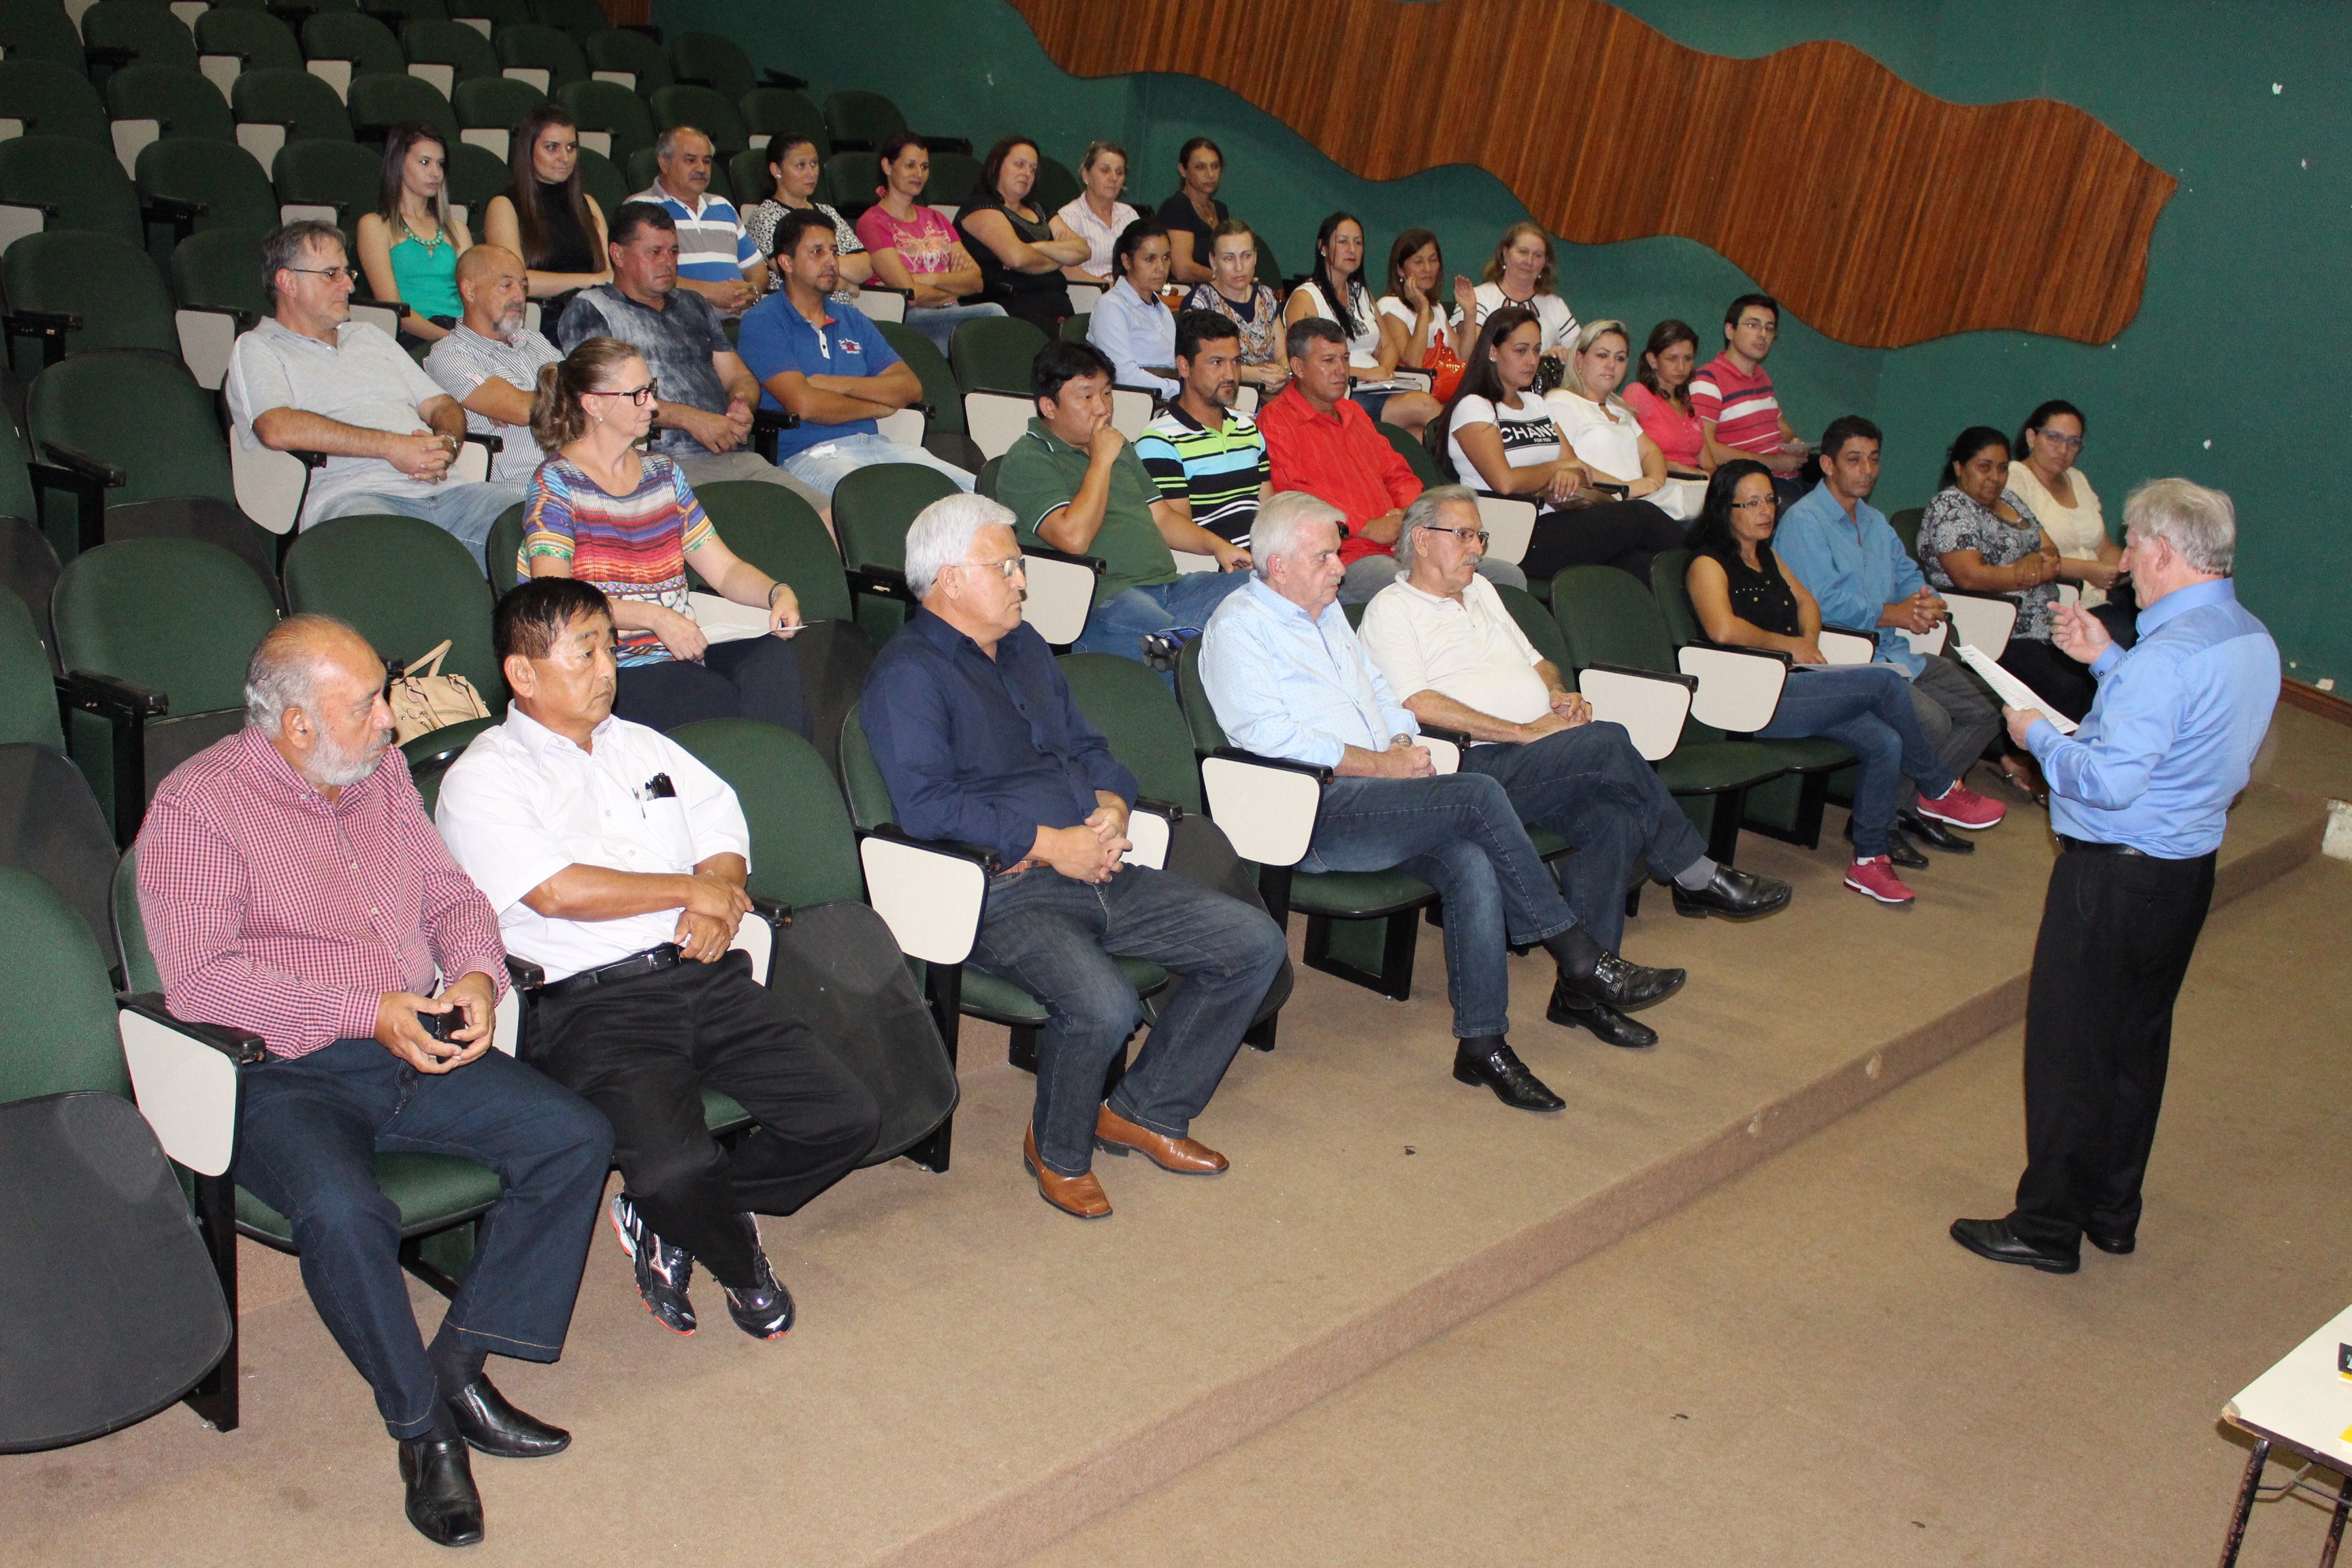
409,245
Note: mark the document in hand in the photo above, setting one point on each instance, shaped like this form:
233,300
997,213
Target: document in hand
723,620
2012,690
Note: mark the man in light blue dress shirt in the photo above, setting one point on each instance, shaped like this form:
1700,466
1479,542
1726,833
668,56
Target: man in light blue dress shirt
1852,561
1288,680
2140,796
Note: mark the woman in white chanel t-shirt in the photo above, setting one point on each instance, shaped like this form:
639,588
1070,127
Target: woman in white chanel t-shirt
1499,435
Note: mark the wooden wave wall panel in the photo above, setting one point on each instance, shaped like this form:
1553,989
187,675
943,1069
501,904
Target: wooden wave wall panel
1878,214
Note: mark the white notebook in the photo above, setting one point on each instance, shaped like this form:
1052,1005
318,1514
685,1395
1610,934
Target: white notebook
723,620
2012,690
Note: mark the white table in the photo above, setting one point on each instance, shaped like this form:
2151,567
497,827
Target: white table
2303,1405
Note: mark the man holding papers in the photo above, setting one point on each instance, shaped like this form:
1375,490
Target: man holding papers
2140,796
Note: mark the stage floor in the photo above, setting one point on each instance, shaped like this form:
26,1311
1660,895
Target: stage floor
975,1374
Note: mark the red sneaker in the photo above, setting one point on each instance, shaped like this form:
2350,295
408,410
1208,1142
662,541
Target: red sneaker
1877,878
1963,808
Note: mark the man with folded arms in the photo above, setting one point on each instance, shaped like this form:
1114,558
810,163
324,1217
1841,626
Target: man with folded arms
617,863
1839,546
975,732
1441,635
291,887
1288,680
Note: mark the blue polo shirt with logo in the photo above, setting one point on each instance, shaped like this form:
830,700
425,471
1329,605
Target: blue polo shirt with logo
776,338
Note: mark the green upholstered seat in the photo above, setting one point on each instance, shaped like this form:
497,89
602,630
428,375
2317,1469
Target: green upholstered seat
707,110
781,534
1136,713
993,353
139,413
922,356
529,46
626,49
433,1192
324,172
711,60
80,183
609,107
28,698
872,508
405,586
53,101
861,119
178,98
295,99
382,99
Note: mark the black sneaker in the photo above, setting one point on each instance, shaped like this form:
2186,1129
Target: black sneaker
762,1310
663,1270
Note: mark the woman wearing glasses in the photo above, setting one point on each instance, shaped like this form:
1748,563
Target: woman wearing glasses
2043,473
602,511
1745,599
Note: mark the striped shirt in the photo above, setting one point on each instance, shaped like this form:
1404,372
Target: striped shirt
711,245
270,907
464,359
1747,415
1218,473
633,546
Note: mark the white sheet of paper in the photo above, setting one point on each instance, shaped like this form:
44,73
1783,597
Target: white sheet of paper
723,620
2012,690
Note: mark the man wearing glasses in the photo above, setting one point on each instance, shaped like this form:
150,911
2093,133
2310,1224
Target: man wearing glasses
310,379
1443,639
977,736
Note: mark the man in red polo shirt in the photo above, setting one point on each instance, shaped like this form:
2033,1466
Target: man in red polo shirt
1320,440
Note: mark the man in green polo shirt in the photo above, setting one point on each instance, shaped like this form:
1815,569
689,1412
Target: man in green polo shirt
1076,485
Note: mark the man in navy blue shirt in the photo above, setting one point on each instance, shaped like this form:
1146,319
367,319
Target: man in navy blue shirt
824,362
2139,796
976,737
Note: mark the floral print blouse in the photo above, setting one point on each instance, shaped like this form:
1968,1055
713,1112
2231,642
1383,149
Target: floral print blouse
1955,521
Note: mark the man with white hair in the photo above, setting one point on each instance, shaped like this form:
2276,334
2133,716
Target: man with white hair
1290,680
979,740
291,887
1444,640
2139,796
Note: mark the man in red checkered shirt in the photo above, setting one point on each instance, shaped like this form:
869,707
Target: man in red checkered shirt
292,886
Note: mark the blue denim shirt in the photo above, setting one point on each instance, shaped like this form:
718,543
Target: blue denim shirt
1854,567
1290,685
984,750
2171,738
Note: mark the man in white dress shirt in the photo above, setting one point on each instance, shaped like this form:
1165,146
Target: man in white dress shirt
1444,641
616,862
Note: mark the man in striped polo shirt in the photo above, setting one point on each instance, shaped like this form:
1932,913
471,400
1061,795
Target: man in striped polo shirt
715,257
1738,415
1204,457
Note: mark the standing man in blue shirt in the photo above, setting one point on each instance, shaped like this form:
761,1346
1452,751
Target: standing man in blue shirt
823,361
1853,562
978,738
2139,796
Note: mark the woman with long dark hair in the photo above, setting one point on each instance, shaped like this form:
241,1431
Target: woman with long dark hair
1744,597
792,164
409,245
1334,290
1413,311
1021,250
916,250
1497,434
546,217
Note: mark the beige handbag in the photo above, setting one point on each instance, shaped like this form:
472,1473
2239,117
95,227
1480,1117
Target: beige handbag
424,699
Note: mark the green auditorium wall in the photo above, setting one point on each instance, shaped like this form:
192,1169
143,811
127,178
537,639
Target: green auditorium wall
2246,103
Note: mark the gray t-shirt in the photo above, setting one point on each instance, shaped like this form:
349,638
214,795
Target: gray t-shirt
464,359
677,343
362,379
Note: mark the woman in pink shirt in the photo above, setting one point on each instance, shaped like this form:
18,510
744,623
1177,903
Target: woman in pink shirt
1660,398
915,250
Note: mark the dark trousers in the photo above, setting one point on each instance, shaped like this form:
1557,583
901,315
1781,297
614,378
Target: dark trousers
1591,787
642,1051
751,677
2066,683
1623,534
1054,938
2117,934
308,1136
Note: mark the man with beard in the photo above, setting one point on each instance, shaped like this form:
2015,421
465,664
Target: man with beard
1204,457
490,361
292,886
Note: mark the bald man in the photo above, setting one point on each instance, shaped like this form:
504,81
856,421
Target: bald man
293,889
490,363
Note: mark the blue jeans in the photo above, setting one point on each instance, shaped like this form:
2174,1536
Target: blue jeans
464,513
827,464
1053,937
1117,625
308,1136
938,322
1866,708
1458,832
1591,787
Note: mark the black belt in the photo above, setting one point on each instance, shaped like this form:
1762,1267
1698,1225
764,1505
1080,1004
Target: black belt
2084,846
637,965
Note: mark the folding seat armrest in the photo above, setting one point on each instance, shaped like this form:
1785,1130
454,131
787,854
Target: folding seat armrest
88,486
883,583
1739,688
177,211
1648,704
784,79
96,471
104,694
1092,563
1167,810
1460,738
126,708
774,913
1779,655
184,1078
765,424
523,974
929,892
1265,806
1148,829
1848,645
876,286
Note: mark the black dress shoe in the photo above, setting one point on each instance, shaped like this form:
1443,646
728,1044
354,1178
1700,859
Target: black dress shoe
442,1502
1493,1063
1934,834
1899,848
1627,987
2118,1242
1571,1011
1735,895
1992,1238
489,1423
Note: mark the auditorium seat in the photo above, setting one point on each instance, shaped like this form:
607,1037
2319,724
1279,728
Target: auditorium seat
583,19
488,108
861,121
197,185
709,111
406,586
1056,187
772,110
231,41
451,53
601,178
491,15
28,563
339,178
39,30
338,47
613,111
873,506
120,32
52,100
954,179
474,176
148,101
52,826
1425,467
65,183
275,108
849,182
398,13
546,58
618,52
380,101
993,353
711,60
138,414
747,176
28,675
72,292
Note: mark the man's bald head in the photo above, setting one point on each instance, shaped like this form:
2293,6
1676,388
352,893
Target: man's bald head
315,689
495,290
484,259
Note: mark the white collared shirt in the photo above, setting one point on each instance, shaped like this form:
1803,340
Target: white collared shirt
523,803
1467,648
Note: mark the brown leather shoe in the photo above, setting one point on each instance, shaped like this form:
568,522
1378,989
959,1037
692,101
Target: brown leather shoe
1114,1134
1079,1195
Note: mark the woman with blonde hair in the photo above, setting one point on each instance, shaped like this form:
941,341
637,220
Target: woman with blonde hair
1095,215
601,510
1522,272
409,245
1607,436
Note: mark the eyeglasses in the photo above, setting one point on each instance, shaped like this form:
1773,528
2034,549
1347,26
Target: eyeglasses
1004,568
350,272
2064,443
1464,534
640,396
1759,504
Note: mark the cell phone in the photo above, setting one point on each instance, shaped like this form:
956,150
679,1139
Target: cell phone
443,1026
